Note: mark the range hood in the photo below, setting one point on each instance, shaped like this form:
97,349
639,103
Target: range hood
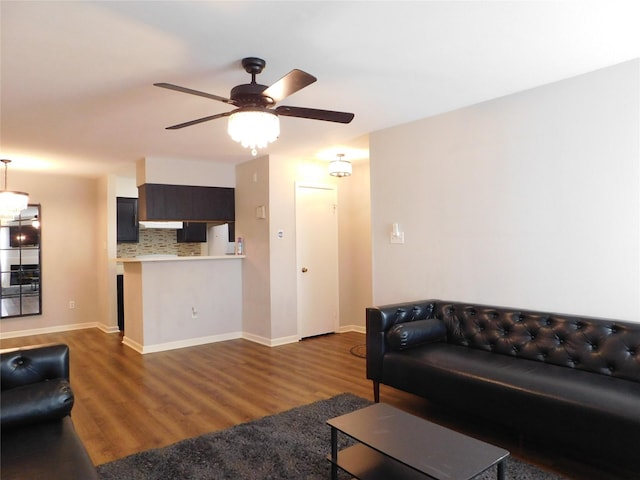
171,225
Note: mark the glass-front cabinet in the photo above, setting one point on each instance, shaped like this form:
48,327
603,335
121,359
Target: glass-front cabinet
20,265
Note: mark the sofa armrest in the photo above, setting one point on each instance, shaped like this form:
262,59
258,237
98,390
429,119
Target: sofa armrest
35,402
26,365
412,334
380,320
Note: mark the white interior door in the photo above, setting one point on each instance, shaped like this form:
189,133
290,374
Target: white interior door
317,259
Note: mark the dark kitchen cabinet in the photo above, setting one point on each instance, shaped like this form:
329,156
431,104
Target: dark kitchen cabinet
192,232
127,219
120,297
186,203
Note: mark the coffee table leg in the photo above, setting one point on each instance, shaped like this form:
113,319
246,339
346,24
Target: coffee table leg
334,453
501,473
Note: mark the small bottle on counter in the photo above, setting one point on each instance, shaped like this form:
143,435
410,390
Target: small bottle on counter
240,246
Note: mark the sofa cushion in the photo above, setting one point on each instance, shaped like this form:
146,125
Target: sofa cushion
47,450
570,408
47,400
410,334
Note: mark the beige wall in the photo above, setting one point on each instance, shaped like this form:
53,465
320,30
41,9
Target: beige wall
70,251
354,217
283,173
180,303
530,200
270,272
252,189
79,229
106,247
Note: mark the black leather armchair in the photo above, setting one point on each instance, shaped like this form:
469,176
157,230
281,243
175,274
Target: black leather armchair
38,439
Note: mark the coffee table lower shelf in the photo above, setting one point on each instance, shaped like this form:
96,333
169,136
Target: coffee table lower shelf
365,463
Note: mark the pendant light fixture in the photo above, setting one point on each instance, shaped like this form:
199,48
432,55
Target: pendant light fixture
11,203
340,167
254,128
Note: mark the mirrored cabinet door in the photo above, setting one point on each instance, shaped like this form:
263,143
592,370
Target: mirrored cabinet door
20,266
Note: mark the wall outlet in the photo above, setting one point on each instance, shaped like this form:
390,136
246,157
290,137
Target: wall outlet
72,304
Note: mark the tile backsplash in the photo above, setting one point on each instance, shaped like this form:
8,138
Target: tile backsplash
157,240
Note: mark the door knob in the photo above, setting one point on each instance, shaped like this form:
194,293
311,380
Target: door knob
304,270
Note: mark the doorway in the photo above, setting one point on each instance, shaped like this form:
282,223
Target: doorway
317,259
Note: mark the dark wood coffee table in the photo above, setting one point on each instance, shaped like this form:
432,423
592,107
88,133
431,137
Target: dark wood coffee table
396,445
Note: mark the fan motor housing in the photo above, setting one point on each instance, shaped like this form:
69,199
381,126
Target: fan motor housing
250,95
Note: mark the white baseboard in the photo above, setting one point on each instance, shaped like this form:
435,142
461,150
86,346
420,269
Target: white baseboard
274,342
190,342
42,331
352,328
270,342
108,328
131,344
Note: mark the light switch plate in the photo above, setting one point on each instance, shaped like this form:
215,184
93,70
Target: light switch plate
399,238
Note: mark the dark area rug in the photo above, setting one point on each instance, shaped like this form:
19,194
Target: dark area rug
289,445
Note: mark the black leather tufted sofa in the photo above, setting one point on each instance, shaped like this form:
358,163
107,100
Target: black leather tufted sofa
38,439
569,382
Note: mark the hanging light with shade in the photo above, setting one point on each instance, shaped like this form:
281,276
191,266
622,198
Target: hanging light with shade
340,167
11,202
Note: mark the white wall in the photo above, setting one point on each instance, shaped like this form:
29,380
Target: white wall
125,187
177,171
530,200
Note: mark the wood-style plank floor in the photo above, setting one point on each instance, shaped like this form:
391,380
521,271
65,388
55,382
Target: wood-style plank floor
127,402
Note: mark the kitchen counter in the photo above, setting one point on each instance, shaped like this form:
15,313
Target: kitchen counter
174,302
165,258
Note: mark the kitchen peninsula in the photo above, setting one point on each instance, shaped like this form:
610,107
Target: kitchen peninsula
174,302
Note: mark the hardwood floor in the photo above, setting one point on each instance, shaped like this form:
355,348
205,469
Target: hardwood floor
127,402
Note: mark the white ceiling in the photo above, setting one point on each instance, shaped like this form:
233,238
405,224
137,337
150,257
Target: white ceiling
77,77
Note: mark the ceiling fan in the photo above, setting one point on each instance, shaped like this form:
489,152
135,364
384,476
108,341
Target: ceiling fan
254,122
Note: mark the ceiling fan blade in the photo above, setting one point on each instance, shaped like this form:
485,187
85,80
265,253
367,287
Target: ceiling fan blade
289,84
199,120
178,88
315,114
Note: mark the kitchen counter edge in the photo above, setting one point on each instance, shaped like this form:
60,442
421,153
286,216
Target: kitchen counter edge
177,259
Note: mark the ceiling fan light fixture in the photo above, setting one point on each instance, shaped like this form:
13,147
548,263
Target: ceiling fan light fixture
11,203
340,167
254,128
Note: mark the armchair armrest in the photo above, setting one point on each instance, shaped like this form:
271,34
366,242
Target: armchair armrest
27,365
35,402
